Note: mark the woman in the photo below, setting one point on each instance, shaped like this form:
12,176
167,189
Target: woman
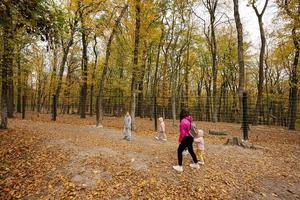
185,140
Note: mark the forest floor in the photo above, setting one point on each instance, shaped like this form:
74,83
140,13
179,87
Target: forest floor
72,159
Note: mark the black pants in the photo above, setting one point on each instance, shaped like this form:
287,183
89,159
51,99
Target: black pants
187,142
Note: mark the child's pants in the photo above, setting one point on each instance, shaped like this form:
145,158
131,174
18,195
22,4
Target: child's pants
200,153
162,135
127,133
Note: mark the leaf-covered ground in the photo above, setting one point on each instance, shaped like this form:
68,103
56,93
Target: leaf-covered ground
72,159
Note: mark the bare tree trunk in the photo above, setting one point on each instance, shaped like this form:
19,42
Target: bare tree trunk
10,82
19,83
135,61
64,59
187,67
154,91
258,109
7,61
211,6
140,102
208,101
93,75
148,71
99,107
199,92
52,84
239,28
294,83
84,67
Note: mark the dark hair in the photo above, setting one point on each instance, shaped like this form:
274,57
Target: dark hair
184,113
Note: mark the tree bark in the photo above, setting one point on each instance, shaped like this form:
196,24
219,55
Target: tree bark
135,62
7,61
99,108
239,28
258,108
140,102
84,67
154,90
19,83
52,84
211,6
64,58
93,75
294,83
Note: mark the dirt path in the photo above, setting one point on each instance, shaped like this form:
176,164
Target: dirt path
85,162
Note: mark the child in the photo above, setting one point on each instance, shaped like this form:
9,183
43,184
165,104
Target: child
162,130
127,127
199,140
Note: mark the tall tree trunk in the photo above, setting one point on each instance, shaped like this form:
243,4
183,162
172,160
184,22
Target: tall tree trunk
154,90
294,83
199,92
211,6
84,67
93,75
65,49
135,61
9,66
10,82
148,71
187,67
140,102
208,101
214,68
239,28
99,113
19,83
258,108
7,61
52,84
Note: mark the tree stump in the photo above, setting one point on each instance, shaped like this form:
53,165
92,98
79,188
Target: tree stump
217,132
236,141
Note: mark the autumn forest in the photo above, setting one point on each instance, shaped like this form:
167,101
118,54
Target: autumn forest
88,62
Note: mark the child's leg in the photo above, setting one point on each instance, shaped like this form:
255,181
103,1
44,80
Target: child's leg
124,133
164,135
129,134
200,155
159,135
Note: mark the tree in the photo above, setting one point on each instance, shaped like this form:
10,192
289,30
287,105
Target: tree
7,62
239,28
258,109
291,9
66,43
84,64
211,6
135,61
99,113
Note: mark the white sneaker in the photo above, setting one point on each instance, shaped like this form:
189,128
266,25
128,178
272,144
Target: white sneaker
156,137
178,168
195,165
201,163
164,139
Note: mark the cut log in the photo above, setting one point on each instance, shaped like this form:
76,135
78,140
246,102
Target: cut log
217,132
